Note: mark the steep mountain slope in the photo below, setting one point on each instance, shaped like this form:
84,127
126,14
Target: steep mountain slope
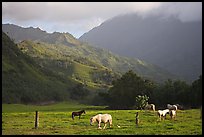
86,63
68,62
167,42
89,65
24,81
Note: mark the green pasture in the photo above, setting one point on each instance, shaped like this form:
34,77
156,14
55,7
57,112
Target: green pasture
56,119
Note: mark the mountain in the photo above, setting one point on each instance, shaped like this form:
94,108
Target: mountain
19,34
69,62
167,42
24,81
39,73
87,64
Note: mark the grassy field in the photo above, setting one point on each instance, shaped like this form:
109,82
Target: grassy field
56,119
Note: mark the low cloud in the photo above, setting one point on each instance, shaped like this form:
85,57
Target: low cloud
82,16
185,11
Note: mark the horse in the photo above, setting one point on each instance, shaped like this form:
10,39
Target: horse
101,118
172,107
162,113
150,107
172,114
78,114
180,107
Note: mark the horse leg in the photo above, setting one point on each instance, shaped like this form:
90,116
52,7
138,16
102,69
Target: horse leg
99,126
110,123
104,126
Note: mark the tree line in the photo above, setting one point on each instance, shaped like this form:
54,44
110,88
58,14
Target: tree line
123,93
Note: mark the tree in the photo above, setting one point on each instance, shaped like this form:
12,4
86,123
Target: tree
196,92
181,89
79,92
122,94
141,101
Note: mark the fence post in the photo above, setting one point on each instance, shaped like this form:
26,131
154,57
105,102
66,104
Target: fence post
137,119
36,119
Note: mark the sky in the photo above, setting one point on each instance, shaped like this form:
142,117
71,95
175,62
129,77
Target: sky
77,18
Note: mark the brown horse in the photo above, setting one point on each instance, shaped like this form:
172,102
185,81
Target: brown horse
78,114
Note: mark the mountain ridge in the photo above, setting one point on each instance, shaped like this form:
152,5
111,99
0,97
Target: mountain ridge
166,42
84,51
36,34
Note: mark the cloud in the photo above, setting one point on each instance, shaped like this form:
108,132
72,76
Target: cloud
75,17
185,11
70,11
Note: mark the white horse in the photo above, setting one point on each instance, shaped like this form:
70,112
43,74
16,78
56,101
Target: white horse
162,113
172,114
101,118
150,107
172,107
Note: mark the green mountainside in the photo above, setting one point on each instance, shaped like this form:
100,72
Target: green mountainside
46,74
23,80
89,65
56,67
83,52
69,63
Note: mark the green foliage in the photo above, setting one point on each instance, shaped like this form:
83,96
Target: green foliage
24,81
79,92
141,101
122,94
195,94
125,89
178,92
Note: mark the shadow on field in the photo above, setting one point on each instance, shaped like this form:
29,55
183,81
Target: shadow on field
81,124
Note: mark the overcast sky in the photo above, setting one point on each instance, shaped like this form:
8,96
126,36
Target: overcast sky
79,17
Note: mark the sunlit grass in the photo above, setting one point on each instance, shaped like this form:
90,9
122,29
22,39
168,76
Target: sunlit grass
58,120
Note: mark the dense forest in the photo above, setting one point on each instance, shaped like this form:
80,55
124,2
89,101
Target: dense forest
125,90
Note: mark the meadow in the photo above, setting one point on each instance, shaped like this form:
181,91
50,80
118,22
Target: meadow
56,119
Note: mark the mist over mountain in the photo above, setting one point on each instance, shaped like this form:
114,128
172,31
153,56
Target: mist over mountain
167,42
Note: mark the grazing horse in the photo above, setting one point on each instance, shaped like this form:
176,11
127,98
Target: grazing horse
172,107
150,107
162,113
101,118
78,114
172,114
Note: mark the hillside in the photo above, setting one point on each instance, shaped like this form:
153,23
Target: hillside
167,42
24,81
87,63
68,62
